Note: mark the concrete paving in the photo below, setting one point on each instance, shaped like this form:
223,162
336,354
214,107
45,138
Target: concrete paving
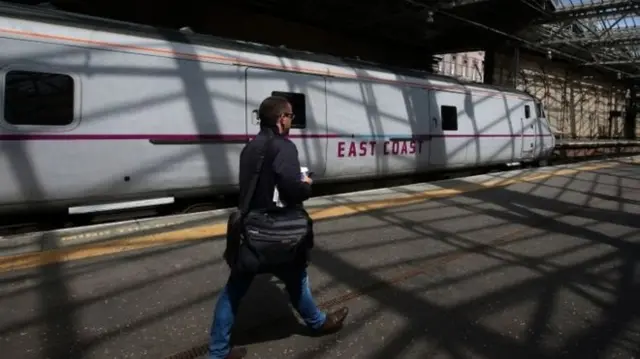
541,269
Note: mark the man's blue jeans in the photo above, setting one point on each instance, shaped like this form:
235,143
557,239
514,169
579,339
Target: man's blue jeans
297,283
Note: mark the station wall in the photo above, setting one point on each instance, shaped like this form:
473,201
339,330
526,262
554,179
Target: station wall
578,105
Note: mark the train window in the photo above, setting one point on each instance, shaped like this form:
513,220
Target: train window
527,111
449,116
38,99
298,104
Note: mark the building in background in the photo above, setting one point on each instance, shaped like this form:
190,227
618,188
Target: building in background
578,105
463,65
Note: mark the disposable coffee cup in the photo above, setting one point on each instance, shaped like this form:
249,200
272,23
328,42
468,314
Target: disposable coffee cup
304,171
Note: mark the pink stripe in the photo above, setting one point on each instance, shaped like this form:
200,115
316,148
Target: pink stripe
225,137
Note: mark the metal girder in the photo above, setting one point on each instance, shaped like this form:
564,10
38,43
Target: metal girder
614,62
612,38
596,9
449,4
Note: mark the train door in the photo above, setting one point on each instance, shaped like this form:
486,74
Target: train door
451,129
529,129
307,95
421,128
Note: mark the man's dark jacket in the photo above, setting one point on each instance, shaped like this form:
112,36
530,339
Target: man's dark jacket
281,168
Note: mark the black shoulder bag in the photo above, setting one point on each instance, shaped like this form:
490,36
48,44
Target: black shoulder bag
267,237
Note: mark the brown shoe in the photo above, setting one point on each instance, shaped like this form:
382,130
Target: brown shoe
237,353
334,320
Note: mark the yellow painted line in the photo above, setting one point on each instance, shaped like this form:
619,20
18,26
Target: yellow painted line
35,259
348,209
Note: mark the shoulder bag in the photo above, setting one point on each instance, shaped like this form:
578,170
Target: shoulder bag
262,238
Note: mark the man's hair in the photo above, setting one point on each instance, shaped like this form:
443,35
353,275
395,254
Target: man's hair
271,109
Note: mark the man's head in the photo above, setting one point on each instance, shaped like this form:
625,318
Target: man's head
276,111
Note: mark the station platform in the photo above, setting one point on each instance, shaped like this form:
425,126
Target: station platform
536,263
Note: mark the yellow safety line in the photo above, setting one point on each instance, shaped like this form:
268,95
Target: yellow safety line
35,259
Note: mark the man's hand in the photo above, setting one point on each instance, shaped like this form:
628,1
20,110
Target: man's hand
307,179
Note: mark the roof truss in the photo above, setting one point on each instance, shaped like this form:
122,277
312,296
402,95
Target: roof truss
604,33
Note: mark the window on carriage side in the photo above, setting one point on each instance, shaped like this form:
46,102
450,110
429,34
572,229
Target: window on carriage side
527,111
449,116
298,104
38,99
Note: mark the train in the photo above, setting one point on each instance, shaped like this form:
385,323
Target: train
99,114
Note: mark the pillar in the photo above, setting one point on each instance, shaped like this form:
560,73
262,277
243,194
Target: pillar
630,117
516,66
489,66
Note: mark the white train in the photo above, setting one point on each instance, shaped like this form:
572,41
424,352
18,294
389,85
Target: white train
98,112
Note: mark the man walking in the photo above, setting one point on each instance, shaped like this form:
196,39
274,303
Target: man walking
281,169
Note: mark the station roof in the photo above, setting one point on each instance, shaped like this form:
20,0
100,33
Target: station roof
425,26
600,34
413,28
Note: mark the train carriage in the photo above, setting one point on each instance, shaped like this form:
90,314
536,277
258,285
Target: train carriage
96,112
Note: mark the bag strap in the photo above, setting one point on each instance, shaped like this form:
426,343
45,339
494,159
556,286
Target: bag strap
244,207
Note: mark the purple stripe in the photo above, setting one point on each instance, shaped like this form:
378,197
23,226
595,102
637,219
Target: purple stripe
226,137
